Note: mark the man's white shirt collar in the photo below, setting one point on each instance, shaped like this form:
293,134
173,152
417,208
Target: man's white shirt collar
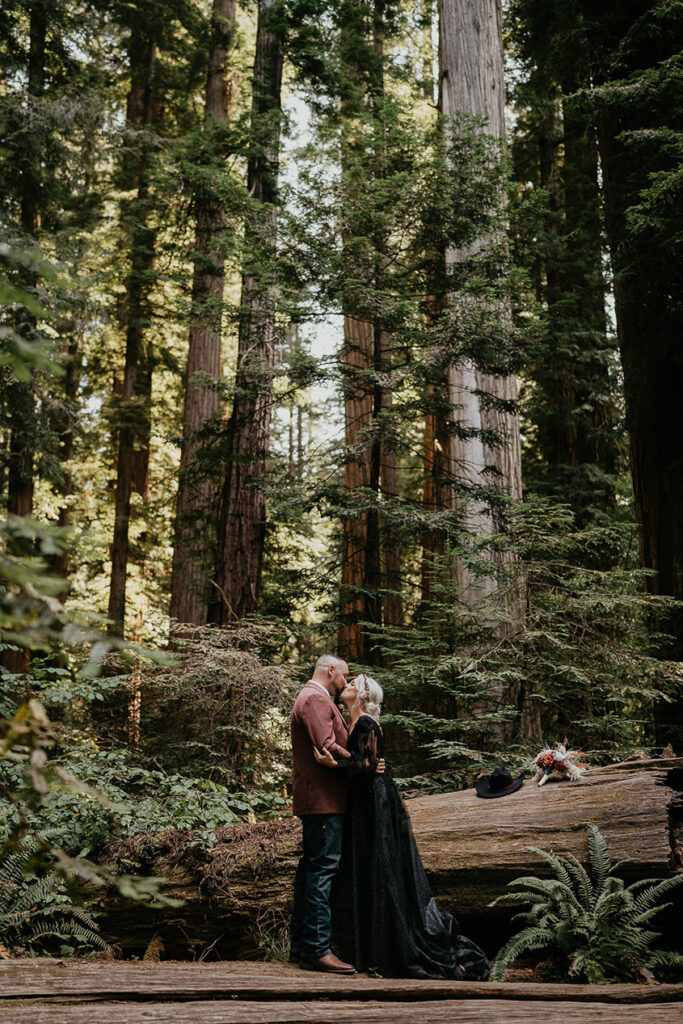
320,686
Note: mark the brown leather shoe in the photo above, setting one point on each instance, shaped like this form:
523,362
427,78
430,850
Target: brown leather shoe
328,964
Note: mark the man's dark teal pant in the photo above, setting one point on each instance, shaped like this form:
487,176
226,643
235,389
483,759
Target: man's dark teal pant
310,926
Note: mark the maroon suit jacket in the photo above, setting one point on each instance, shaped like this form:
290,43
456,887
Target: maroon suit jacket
316,721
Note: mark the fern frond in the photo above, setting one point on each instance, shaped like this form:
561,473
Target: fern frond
83,918
664,958
584,965
14,866
64,929
582,882
509,899
542,886
598,856
642,883
34,909
35,893
652,912
556,863
648,898
530,938
8,891
593,918
620,865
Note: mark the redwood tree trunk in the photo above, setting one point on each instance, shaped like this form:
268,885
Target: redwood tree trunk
392,583
357,359
21,399
470,856
471,69
471,58
242,505
575,429
21,396
649,309
586,284
195,534
371,559
66,442
133,433
649,327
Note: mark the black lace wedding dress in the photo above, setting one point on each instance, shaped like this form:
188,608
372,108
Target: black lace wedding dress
384,917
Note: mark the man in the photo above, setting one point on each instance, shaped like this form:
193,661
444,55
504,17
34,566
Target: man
319,799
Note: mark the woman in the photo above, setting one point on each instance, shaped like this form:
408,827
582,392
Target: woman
384,917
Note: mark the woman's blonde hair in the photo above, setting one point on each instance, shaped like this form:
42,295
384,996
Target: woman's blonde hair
375,695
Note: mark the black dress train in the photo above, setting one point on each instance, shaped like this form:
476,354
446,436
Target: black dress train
384,916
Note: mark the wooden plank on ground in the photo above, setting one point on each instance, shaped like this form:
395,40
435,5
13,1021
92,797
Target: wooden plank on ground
21,980
478,1011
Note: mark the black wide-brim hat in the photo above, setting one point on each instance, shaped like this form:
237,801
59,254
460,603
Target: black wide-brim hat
498,783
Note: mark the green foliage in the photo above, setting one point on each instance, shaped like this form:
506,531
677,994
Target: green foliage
575,648
270,931
571,389
18,354
36,911
374,193
220,709
595,923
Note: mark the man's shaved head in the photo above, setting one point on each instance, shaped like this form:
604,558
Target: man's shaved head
332,672
325,660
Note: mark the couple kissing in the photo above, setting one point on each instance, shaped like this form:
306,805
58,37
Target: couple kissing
362,901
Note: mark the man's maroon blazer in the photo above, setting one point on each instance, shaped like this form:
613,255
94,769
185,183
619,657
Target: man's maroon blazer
316,721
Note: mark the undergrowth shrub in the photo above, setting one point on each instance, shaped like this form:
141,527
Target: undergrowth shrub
598,927
36,910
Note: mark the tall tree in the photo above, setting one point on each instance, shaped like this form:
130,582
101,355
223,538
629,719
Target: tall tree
636,64
571,406
242,515
194,548
471,81
66,428
371,563
133,404
21,394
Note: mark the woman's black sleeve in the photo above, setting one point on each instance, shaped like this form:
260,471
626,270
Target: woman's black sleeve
363,760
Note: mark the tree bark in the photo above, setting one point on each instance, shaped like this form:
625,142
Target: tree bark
436,496
649,311
586,284
470,847
471,80
371,560
357,360
224,992
72,377
390,568
133,432
21,397
575,419
21,394
242,523
195,536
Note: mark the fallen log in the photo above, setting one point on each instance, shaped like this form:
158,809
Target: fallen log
236,887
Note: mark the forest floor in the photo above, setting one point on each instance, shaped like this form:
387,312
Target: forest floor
52,992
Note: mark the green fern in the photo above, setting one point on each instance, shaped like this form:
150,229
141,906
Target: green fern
591,918
35,911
